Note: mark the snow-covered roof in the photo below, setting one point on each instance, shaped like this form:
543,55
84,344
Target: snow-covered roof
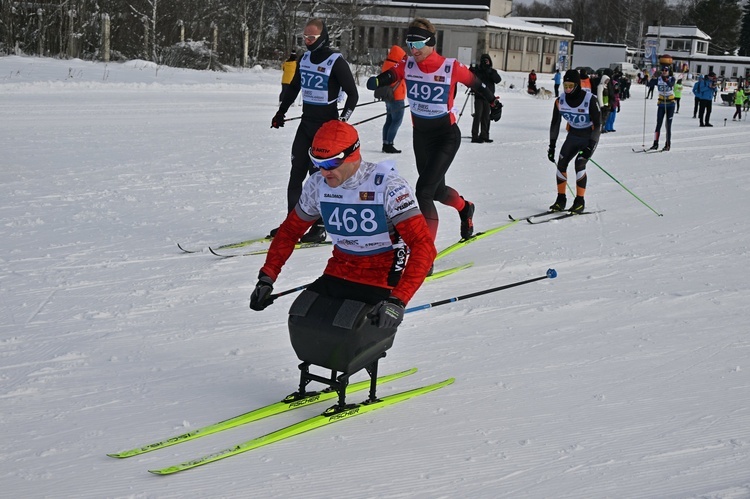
546,20
447,5
600,44
509,23
726,59
677,32
522,24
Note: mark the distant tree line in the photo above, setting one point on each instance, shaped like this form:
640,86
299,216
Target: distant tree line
241,32
153,29
627,21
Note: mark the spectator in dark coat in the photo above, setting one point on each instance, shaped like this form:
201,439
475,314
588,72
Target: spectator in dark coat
651,86
480,128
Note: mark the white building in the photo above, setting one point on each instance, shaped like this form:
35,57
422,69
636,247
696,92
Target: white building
688,47
466,30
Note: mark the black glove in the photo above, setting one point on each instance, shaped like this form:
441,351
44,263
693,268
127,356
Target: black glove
496,111
278,120
372,83
551,153
259,299
388,313
587,151
346,115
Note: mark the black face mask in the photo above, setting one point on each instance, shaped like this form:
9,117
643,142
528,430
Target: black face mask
322,41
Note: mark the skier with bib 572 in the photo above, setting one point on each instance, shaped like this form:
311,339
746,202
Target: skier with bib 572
321,75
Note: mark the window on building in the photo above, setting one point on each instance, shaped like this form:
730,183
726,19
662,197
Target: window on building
371,36
734,71
386,38
701,47
678,45
698,69
722,70
362,40
516,43
532,44
710,69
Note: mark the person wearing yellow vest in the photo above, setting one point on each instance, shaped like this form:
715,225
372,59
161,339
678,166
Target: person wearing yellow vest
288,68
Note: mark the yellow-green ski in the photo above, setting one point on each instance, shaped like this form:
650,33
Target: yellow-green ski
289,403
332,415
446,272
476,237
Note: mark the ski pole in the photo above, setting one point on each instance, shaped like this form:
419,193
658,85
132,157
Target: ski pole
373,118
468,96
643,139
339,110
629,191
551,274
365,104
273,297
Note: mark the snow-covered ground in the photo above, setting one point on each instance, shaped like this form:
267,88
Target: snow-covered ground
627,376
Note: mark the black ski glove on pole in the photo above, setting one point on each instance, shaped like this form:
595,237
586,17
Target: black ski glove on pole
388,313
263,289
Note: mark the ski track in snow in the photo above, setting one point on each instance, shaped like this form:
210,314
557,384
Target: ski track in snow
626,376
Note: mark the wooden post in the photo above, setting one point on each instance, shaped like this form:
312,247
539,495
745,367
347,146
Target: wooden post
245,44
72,45
40,40
105,49
145,37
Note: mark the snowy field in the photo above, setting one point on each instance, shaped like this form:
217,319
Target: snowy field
627,376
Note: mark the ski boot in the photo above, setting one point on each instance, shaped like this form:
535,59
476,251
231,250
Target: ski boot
316,234
467,223
578,205
559,204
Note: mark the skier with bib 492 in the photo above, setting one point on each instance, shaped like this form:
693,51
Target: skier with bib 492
581,110
431,81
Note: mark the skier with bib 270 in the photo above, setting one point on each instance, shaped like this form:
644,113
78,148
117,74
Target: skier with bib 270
431,81
581,110
321,74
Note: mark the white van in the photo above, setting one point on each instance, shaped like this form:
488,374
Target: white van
627,68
